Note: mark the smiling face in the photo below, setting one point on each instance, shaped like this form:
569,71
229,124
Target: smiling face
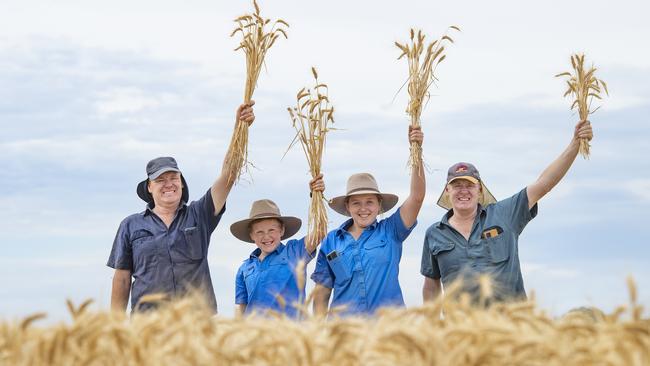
266,234
463,194
167,189
363,208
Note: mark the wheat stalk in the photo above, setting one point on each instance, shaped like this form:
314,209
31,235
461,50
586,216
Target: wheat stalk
257,39
422,70
312,118
583,86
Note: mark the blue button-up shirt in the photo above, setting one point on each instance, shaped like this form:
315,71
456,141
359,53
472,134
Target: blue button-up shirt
448,256
167,260
272,284
364,272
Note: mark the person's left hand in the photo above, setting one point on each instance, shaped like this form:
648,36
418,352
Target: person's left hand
416,135
245,113
317,184
583,131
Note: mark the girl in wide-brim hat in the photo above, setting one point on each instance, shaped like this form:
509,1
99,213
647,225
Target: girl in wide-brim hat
359,261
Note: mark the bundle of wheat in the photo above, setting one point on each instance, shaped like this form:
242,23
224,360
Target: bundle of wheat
583,86
421,76
312,118
257,39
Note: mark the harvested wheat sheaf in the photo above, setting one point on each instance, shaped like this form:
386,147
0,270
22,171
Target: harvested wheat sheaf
583,87
185,333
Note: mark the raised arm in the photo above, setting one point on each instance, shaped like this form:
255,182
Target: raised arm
221,187
121,289
558,168
411,207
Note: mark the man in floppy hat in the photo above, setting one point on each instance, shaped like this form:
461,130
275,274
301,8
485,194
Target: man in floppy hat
269,278
164,248
359,261
479,236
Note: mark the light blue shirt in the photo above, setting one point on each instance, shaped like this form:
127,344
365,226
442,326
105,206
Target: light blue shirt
266,285
363,273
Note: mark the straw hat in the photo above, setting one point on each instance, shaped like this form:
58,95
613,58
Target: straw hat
469,172
264,209
362,183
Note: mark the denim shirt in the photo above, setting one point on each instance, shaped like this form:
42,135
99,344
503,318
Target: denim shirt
448,256
165,260
272,284
363,273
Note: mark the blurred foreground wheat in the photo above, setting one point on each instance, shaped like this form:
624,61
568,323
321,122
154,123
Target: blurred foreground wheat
184,333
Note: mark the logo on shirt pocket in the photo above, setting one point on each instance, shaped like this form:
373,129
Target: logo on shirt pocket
342,273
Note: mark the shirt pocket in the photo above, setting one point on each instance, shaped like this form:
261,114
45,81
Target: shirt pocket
278,275
191,246
497,249
446,257
144,248
250,279
341,269
376,251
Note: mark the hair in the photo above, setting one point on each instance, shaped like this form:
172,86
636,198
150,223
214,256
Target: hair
250,225
379,198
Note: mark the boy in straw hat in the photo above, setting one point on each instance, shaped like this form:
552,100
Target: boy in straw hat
273,277
359,261
479,235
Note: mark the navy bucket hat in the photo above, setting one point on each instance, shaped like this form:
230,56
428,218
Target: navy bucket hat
155,168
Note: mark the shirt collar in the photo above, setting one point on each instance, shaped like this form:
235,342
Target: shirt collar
480,211
344,227
149,208
256,253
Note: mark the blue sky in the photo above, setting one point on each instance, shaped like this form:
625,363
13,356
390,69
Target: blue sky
91,90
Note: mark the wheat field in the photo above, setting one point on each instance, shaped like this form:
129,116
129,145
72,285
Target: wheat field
185,333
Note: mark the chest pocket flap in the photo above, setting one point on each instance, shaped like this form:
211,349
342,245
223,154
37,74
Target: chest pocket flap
377,243
441,247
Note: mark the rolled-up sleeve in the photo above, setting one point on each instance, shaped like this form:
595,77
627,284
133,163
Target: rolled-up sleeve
427,264
241,294
323,274
121,256
514,210
397,227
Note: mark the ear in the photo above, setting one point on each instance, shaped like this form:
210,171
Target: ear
282,230
149,186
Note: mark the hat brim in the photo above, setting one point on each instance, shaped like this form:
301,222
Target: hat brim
485,199
241,229
388,201
143,191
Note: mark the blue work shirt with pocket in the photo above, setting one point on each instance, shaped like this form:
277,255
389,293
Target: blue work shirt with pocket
166,260
363,273
272,284
492,249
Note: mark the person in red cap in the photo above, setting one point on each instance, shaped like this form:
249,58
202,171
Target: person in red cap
164,248
479,235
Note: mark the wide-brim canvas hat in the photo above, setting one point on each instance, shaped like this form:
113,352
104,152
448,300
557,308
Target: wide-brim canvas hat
155,168
362,183
469,172
264,209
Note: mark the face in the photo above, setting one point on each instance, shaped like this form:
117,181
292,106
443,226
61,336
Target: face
167,189
363,208
463,194
266,234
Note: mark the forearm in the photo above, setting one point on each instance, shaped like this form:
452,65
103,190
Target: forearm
240,309
431,290
120,292
552,175
321,300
